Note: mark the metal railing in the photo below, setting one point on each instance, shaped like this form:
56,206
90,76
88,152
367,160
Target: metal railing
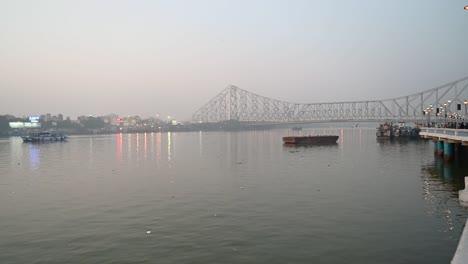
445,131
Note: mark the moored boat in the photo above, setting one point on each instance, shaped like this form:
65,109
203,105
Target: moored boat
311,140
400,130
385,131
48,136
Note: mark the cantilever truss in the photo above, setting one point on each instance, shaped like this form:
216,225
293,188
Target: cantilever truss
237,104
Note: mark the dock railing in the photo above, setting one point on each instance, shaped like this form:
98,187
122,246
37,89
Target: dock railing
449,133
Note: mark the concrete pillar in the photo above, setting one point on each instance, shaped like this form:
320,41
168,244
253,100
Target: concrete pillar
439,147
448,150
457,148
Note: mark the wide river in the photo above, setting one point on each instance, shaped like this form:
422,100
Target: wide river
228,197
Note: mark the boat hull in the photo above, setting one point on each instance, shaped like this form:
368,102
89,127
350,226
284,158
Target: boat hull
44,137
310,140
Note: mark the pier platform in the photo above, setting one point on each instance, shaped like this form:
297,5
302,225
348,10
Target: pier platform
446,134
447,141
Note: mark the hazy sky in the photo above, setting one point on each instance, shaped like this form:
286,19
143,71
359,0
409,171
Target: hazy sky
170,57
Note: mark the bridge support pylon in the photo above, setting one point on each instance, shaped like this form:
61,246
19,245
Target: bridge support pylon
439,147
449,149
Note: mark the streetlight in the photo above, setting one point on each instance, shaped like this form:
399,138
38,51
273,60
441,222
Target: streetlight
428,111
442,110
445,115
466,102
449,112
439,112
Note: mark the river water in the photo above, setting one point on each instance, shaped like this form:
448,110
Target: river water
228,197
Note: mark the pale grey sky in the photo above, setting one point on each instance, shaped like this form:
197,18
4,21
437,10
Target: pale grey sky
170,57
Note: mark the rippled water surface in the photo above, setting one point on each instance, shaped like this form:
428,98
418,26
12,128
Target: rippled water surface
228,197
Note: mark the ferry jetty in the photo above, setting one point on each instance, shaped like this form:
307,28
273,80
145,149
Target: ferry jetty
399,130
45,136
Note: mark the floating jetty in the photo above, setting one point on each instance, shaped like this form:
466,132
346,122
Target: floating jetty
310,140
399,130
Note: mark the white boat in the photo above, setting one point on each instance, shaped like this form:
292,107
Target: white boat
49,136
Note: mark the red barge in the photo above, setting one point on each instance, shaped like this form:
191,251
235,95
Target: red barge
311,140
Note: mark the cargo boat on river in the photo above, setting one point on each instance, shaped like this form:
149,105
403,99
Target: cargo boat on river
311,140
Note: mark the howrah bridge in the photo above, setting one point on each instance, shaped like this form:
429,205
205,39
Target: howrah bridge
447,101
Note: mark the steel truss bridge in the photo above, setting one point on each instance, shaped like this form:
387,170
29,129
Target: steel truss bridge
433,105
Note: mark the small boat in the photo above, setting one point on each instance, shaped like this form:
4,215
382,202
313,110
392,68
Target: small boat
311,140
385,131
49,136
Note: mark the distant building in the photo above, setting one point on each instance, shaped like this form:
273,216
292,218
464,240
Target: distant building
24,125
82,118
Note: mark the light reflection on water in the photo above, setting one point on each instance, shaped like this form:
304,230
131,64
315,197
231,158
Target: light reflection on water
228,197
146,146
34,157
169,147
137,140
119,146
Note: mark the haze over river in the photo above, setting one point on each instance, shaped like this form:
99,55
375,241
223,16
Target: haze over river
228,197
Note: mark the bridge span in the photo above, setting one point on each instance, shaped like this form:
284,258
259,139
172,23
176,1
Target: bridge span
448,101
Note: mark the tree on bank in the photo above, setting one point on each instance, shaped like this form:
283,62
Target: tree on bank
93,123
4,123
4,127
